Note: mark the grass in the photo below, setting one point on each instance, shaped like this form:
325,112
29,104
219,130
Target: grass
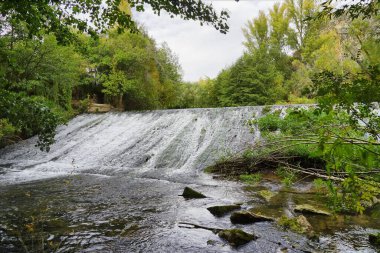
251,178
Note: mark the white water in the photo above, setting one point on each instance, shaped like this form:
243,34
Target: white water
156,143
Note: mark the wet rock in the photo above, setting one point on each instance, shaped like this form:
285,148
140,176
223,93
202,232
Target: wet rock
282,250
309,209
212,242
266,194
189,193
222,210
246,217
306,227
298,224
374,239
236,237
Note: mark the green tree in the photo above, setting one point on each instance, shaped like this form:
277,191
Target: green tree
60,16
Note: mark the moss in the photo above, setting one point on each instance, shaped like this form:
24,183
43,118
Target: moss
266,194
298,224
251,178
291,224
310,209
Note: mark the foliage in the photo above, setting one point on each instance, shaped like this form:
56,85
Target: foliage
348,152
61,16
40,68
287,176
129,71
251,178
30,116
7,132
355,9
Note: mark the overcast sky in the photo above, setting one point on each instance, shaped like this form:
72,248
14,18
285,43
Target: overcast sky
202,50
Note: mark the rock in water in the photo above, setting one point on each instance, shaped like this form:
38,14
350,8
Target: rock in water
306,208
236,237
222,210
245,217
266,194
305,225
189,193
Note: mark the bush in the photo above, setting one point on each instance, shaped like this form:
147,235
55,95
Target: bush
31,116
7,132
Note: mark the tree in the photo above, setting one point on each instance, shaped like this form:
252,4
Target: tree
40,68
94,16
355,9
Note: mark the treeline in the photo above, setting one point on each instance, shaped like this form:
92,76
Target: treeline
47,82
288,51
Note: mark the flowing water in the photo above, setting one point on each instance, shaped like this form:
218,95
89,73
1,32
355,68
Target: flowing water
111,183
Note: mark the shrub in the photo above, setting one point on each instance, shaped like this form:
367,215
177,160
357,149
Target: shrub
31,116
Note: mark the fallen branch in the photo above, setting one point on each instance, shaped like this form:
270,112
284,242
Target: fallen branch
186,224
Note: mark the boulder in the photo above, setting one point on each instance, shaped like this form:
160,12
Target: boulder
236,237
219,211
305,225
189,193
246,217
309,209
266,194
298,224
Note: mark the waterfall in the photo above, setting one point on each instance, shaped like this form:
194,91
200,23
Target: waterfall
155,143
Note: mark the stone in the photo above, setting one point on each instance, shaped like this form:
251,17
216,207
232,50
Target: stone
236,237
189,193
299,224
309,209
305,225
266,194
245,217
219,211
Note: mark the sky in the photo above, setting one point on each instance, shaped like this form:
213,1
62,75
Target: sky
202,50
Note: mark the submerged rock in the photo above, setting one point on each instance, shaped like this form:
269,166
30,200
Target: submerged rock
299,224
306,208
246,217
189,193
306,227
236,237
266,194
222,210
374,239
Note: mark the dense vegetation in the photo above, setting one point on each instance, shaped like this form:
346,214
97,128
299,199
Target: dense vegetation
289,51
43,82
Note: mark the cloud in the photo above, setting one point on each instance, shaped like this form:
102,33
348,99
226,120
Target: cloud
202,50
